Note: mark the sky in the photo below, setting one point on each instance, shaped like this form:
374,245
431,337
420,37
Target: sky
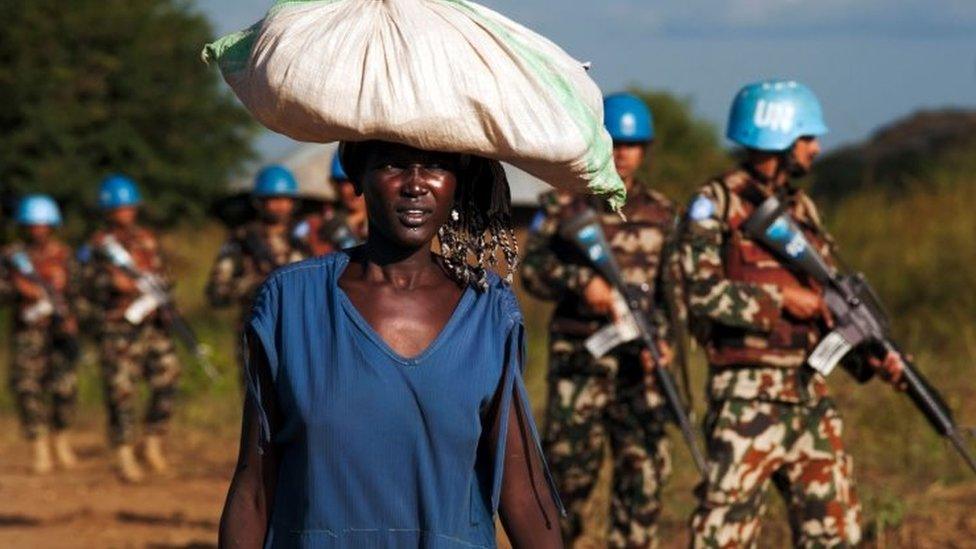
869,61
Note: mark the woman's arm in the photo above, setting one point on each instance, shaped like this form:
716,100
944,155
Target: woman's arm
244,521
526,506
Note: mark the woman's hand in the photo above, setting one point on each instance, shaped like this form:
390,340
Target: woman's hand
526,506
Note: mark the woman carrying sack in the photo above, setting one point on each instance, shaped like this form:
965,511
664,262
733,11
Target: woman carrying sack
387,407
386,404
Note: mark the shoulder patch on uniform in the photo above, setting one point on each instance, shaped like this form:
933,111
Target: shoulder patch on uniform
537,221
701,208
84,253
301,230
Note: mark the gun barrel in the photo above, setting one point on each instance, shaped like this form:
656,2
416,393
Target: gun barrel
935,410
669,388
585,231
962,449
185,333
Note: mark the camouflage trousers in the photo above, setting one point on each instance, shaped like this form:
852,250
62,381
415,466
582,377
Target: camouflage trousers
592,403
130,353
42,371
798,448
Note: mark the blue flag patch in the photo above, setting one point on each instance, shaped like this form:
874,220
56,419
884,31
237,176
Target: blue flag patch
301,230
536,225
701,209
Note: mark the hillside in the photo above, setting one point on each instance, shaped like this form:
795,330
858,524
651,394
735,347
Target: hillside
906,151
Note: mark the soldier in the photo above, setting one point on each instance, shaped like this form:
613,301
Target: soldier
38,276
338,226
612,399
257,248
133,338
770,417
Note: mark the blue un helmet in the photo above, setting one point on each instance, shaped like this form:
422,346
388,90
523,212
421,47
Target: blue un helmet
38,209
275,180
771,115
118,191
627,118
338,173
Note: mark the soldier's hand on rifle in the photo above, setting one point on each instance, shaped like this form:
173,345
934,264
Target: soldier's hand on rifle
69,326
123,283
802,303
667,356
890,369
598,295
29,290
59,280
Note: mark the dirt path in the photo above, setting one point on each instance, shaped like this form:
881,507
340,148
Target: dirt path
90,507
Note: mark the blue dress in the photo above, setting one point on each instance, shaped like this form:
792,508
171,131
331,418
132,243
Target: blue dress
378,450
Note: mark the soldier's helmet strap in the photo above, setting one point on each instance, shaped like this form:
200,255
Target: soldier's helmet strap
723,194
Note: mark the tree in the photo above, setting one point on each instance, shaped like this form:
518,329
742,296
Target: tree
92,87
686,148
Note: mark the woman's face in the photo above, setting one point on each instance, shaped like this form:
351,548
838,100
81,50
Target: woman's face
409,192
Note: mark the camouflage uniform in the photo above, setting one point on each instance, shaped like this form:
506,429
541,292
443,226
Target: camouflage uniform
330,231
770,417
248,256
129,351
611,399
43,365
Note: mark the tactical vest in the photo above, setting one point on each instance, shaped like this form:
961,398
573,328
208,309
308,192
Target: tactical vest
637,243
143,248
745,260
51,265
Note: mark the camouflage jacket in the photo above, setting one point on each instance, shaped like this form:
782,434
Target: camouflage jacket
553,269
734,294
55,265
329,231
107,300
248,256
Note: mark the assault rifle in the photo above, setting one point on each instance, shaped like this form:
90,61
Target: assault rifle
858,315
52,304
585,232
259,250
337,231
154,296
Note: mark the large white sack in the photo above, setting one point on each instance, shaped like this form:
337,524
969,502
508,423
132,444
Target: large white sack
444,75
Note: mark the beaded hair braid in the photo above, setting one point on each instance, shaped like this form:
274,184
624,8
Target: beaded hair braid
480,225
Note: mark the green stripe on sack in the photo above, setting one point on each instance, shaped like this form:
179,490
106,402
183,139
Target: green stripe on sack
606,182
232,52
